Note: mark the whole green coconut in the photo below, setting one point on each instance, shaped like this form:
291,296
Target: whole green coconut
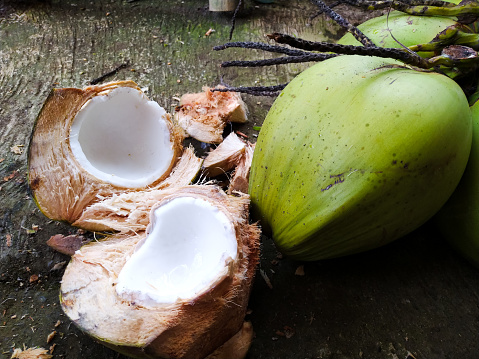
355,153
458,220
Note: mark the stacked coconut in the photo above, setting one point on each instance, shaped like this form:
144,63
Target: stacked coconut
171,278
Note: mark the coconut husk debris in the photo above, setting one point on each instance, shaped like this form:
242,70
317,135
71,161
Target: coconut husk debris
204,115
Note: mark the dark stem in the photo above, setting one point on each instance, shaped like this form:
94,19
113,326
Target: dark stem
397,54
358,35
256,90
261,46
233,20
110,73
279,60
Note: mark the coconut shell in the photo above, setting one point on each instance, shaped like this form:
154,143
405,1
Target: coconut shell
240,179
190,329
204,115
59,185
224,157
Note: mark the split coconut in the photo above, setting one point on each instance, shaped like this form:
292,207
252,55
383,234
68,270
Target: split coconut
173,280
178,290
90,143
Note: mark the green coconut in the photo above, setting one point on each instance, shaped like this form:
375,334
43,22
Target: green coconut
399,29
458,220
355,153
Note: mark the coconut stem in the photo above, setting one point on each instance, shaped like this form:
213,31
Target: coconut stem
415,7
261,46
233,20
358,35
449,36
451,62
109,73
397,54
256,90
279,60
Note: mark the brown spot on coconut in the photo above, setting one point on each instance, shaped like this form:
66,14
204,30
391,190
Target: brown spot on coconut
178,290
240,179
204,115
90,143
224,157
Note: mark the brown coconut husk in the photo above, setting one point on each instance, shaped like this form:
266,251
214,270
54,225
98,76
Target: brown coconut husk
204,115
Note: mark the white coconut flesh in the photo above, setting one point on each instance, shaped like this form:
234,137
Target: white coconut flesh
122,138
188,247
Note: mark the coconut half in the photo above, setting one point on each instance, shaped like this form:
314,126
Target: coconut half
90,143
177,290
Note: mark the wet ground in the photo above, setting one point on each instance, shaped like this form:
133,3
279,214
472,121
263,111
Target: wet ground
415,297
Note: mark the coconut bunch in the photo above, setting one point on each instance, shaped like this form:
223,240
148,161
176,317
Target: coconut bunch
173,276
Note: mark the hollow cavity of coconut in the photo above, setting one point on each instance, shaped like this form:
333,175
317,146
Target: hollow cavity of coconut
178,290
92,142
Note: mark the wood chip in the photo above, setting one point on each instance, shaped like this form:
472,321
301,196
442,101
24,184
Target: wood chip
31,353
10,176
9,240
209,32
52,348
17,149
266,279
59,265
67,245
299,270
51,336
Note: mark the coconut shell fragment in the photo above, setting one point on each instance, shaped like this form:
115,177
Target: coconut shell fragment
60,184
204,115
186,328
240,179
31,353
224,157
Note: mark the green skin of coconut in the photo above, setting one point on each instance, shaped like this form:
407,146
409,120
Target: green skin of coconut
408,30
355,153
458,220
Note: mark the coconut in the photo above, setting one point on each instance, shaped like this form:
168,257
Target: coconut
177,290
355,153
90,143
204,115
173,281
